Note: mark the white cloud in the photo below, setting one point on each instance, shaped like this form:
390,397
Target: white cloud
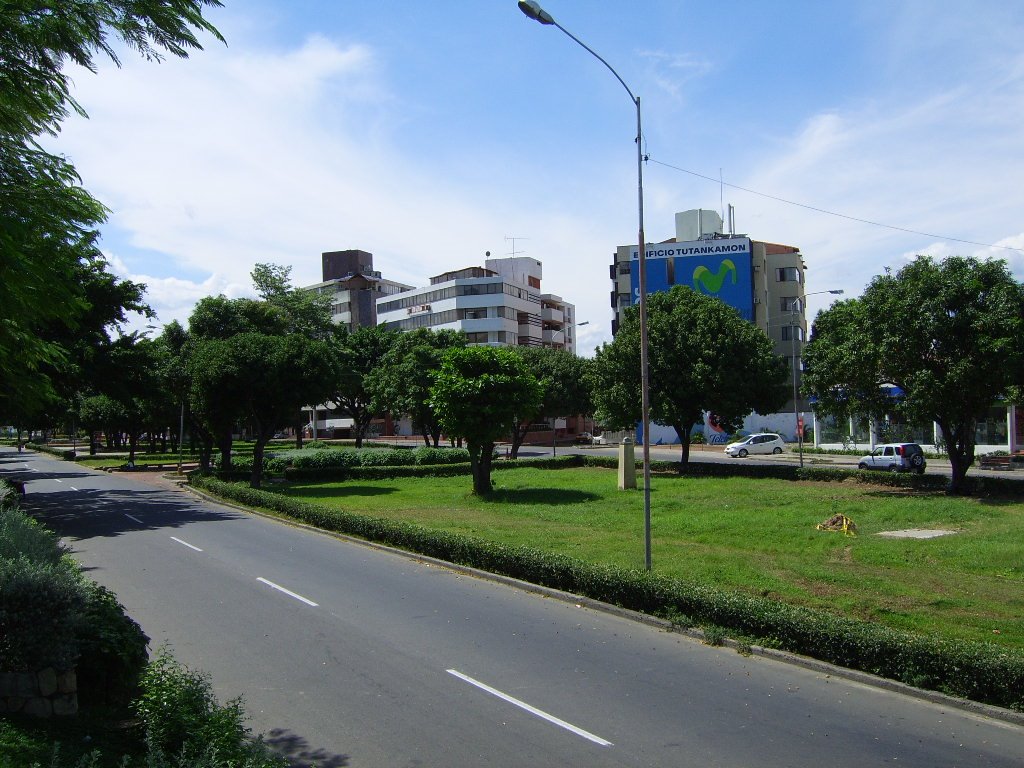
252,154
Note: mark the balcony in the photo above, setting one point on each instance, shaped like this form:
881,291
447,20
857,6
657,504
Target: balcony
551,314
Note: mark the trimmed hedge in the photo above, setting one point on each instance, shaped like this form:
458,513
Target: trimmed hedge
113,650
977,671
42,607
51,616
704,468
67,454
341,473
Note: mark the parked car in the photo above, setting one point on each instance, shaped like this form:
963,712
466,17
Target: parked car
583,438
895,457
763,442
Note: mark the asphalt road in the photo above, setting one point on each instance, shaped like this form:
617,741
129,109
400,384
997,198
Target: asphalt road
349,655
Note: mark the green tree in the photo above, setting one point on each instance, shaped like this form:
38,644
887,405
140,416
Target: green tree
948,334
262,378
100,413
702,357
358,354
565,379
47,220
305,312
401,383
477,395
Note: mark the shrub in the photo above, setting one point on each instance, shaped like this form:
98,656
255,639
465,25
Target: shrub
424,456
113,650
21,536
41,613
182,718
316,445
62,453
384,457
322,459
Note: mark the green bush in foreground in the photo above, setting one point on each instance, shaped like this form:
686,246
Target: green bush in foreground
51,616
187,728
976,671
113,650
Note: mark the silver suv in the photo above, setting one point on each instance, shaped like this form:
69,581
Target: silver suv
895,457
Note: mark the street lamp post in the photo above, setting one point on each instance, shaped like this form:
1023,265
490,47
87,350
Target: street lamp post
535,12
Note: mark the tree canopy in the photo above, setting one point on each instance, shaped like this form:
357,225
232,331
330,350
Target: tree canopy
401,382
565,381
358,354
946,333
477,394
255,361
47,219
702,357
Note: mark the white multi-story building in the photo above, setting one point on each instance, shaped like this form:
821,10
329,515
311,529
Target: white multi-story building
499,304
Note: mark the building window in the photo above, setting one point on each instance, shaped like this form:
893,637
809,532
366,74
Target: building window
792,332
787,275
789,303
992,429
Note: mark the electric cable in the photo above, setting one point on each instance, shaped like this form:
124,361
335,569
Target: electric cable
832,213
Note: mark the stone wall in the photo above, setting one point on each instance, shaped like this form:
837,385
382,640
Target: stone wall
41,694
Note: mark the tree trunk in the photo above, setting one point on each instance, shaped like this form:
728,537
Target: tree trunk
960,447
480,461
205,451
224,446
684,439
518,435
257,460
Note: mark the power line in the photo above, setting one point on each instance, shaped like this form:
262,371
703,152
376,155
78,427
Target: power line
833,213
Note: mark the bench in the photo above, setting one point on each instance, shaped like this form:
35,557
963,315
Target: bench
1004,463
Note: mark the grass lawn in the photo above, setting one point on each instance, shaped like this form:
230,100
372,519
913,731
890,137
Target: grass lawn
757,536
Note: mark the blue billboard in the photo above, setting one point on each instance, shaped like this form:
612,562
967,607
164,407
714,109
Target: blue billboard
721,268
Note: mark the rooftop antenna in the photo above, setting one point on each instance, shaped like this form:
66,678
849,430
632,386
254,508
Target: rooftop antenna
513,238
721,194
732,219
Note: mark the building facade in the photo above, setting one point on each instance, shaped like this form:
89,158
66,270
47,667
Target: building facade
354,287
763,281
499,304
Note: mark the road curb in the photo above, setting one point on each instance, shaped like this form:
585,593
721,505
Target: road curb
815,665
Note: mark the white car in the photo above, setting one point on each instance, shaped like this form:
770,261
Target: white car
763,442
895,457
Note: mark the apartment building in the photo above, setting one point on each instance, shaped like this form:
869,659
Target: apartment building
354,287
500,304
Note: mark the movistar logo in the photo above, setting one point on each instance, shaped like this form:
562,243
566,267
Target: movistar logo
711,282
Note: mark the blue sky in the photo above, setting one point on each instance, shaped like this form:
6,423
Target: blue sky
430,133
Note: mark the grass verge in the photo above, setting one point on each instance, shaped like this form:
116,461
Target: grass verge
736,552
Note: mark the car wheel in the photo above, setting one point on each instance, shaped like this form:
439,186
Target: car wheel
742,453
777,450
894,468
862,465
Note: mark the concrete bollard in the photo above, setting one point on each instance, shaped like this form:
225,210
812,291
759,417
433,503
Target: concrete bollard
627,465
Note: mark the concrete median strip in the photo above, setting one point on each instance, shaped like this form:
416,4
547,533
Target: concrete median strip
916,533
